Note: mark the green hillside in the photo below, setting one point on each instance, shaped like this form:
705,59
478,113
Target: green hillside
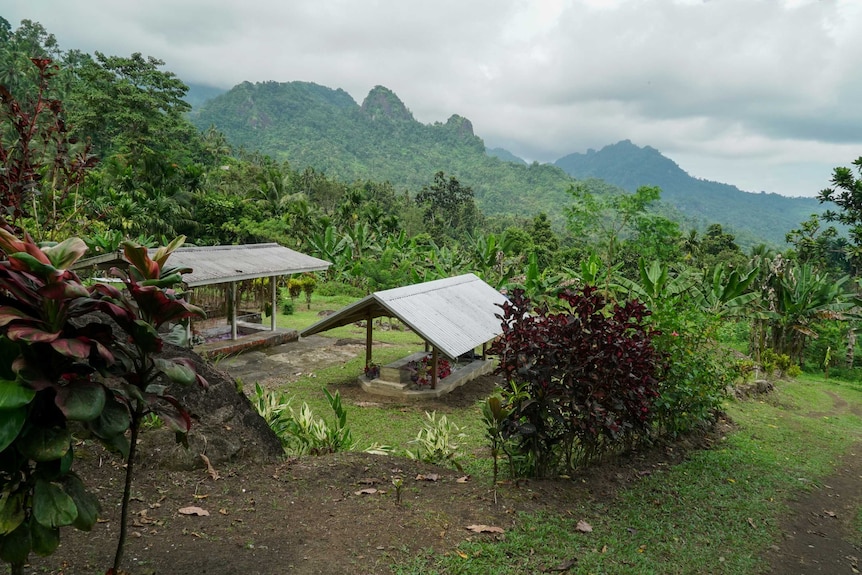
766,216
311,125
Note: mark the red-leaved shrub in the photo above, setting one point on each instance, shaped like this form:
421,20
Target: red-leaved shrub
581,376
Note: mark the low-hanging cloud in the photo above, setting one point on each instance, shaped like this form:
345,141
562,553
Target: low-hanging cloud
759,93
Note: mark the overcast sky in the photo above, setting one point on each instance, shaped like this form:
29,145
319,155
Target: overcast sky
762,94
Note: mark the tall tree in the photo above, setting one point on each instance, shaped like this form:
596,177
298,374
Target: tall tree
605,220
450,209
846,193
128,105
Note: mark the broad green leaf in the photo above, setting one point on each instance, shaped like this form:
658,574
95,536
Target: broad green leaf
11,511
146,337
45,443
11,422
66,253
113,420
52,507
15,546
26,261
118,443
13,394
81,400
162,254
176,372
164,281
86,503
44,540
177,336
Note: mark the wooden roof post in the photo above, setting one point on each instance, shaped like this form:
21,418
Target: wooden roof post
273,281
233,305
434,357
368,341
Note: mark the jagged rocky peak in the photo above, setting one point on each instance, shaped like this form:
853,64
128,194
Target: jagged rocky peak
382,104
460,123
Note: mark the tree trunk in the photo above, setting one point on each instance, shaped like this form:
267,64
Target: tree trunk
851,348
127,489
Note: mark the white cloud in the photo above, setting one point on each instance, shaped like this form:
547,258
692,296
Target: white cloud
759,93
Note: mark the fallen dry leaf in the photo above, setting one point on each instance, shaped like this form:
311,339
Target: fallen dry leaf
210,469
485,529
830,513
193,511
751,522
464,479
368,491
583,527
429,477
462,555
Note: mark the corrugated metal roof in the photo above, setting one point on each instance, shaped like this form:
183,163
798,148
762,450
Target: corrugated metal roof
455,315
221,264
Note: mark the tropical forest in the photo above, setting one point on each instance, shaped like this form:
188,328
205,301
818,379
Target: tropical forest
677,386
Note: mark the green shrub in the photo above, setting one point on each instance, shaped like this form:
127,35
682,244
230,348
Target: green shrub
302,433
335,288
288,306
435,442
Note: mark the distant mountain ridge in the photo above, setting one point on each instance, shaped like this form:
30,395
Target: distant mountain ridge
629,166
308,124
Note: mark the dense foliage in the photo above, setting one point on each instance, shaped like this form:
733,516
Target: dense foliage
582,376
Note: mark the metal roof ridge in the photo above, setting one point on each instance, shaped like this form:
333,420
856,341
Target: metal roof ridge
411,290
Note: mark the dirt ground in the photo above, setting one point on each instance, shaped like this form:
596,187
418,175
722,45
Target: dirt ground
818,532
338,514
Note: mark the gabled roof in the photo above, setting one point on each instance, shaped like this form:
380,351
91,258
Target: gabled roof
221,264
455,315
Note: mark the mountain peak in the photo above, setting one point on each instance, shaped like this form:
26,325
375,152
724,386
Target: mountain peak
461,124
382,103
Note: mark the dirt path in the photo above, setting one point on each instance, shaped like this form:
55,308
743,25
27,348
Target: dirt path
819,532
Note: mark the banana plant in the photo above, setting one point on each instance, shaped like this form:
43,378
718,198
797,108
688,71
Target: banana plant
657,282
726,293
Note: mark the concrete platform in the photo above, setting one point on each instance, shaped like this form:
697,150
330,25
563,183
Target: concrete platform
390,383
257,340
